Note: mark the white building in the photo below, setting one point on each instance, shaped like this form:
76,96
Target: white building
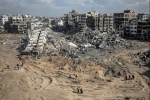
108,22
36,41
17,19
93,13
3,19
34,25
26,18
142,16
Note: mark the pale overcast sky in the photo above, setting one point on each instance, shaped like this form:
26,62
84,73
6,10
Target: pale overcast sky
57,8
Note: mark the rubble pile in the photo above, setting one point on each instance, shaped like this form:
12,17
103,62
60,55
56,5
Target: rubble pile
101,40
58,45
145,56
80,44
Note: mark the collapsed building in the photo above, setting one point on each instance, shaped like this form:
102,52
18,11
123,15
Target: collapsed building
103,41
71,20
36,40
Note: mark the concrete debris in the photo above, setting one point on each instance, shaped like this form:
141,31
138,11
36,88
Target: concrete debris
86,46
74,45
100,40
144,56
58,45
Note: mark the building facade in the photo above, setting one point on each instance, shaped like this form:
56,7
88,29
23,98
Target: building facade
108,22
142,16
121,20
82,22
4,19
71,20
92,20
100,23
139,29
131,28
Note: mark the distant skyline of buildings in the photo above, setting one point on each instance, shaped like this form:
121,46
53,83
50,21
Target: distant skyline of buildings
13,14
127,21
56,8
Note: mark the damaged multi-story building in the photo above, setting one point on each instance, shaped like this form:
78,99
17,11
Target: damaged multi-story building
100,23
103,23
92,20
3,20
142,16
82,22
108,22
58,24
143,28
71,20
18,23
34,24
131,28
138,28
121,20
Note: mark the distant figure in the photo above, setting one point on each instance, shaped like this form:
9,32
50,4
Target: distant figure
17,66
78,91
132,76
125,77
129,77
7,66
81,91
119,74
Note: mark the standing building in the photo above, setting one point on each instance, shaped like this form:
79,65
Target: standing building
139,29
108,22
26,18
92,20
82,22
4,19
142,27
121,20
142,16
18,25
100,23
131,28
16,19
71,20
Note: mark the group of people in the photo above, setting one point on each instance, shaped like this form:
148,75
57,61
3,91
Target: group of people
79,90
129,77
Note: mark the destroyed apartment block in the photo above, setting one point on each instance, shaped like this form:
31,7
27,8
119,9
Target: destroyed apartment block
121,20
36,40
19,28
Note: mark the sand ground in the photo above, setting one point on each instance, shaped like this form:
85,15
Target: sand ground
57,78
